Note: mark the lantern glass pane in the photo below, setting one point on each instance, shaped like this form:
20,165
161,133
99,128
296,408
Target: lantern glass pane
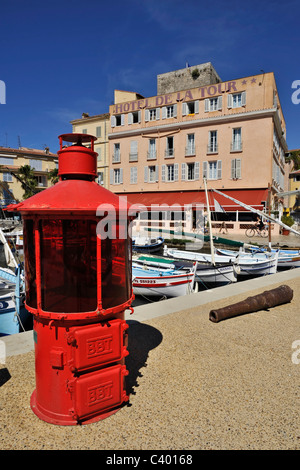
68,265
29,263
116,269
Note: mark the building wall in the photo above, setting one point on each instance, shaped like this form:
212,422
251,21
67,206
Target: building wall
13,159
258,115
98,127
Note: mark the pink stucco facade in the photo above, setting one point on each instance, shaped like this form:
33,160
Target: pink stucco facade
231,133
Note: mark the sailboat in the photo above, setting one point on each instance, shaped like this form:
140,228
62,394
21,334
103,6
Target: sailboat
207,274
286,258
211,271
243,265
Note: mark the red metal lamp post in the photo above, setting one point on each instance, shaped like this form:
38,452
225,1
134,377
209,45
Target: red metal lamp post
78,286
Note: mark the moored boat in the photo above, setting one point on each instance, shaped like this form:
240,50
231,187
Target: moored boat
287,259
207,274
147,245
148,281
248,266
14,318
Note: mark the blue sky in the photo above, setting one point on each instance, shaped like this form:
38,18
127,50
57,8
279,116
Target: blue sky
61,58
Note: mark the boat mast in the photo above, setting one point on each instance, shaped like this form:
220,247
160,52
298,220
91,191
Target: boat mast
209,223
269,211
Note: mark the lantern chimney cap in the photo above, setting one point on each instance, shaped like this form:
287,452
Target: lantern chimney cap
77,139
77,160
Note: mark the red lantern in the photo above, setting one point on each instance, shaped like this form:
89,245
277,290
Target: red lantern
78,286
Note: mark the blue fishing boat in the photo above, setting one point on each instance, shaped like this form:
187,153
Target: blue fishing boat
14,318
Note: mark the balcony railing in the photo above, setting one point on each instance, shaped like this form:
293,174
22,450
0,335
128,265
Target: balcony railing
169,153
190,150
212,148
116,158
133,157
236,146
151,155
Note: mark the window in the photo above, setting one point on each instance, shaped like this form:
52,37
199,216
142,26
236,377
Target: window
236,144
42,181
151,154
117,153
133,175
169,111
213,104
190,145
36,164
98,150
117,120
236,168
84,131
116,176
133,155
152,114
100,179
236,100
134,117
191,107
170,147
190,171
151,174
7,177
170,172
212,170
98,131
6,161
212,142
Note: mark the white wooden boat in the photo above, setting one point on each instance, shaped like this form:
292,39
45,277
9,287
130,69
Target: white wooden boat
248,266
207,274
287,259
148,281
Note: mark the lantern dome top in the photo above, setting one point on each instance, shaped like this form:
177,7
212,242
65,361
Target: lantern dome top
72,197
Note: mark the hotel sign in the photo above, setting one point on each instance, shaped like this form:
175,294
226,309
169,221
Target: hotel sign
180,96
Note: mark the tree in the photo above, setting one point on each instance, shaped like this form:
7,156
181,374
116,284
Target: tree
28,180
294,156
53,176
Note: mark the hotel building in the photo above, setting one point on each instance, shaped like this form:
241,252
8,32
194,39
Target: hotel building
231,133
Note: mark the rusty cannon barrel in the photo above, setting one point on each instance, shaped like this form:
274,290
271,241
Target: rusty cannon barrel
268,299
